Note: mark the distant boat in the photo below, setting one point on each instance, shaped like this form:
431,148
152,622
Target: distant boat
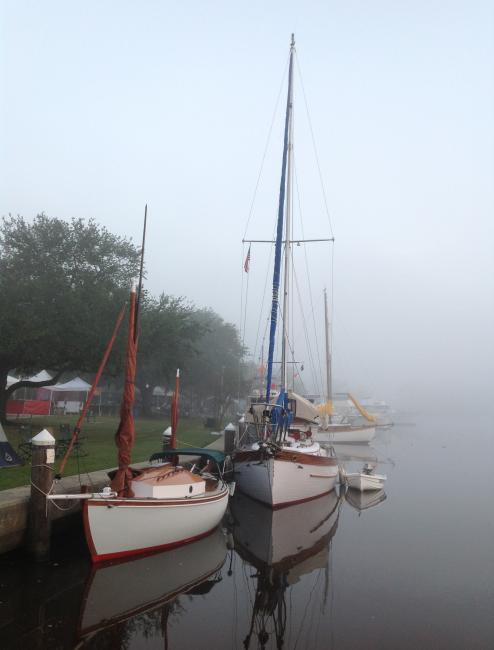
279,468
331,431
366,480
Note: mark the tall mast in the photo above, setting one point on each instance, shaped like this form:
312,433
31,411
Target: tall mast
329,388
288,237
279,236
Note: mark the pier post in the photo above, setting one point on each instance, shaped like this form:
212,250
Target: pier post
229,440
39,516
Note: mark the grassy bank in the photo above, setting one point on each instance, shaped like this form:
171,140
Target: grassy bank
98,443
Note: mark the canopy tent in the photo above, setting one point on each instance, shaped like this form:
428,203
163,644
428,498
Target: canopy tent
71,401
29,401
11,380
76,385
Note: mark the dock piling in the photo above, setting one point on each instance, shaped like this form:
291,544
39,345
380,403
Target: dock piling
39,517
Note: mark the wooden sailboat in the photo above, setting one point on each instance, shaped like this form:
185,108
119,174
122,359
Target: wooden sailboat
156,507
277,468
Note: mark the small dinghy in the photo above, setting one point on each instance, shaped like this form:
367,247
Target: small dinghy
365,480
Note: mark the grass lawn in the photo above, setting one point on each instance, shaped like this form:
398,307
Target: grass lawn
98,443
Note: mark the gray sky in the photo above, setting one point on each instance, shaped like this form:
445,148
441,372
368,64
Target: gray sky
108,105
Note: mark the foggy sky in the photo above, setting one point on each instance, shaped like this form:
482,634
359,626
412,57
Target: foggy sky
109,105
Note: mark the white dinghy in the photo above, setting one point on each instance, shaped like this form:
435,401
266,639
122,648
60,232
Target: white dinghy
366,480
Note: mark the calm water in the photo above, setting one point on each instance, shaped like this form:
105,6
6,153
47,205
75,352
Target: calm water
413,568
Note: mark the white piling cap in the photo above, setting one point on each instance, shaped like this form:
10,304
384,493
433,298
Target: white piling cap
230,427
43,439
167,432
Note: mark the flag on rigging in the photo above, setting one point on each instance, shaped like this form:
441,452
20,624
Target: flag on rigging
247,261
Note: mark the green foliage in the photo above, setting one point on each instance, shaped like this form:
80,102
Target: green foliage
67,282
168,331
214,370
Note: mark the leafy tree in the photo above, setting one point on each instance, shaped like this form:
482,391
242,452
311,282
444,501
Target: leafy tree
166,341
214,372
61,287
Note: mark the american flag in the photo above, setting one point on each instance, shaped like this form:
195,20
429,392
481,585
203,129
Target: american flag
247,261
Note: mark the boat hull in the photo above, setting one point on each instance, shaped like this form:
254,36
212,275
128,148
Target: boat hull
127,526
365,482
284,479
339,433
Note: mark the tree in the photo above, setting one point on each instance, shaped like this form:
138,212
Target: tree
166,341
214,372
61,287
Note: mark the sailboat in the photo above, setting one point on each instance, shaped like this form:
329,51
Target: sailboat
278,468
330,431
156,507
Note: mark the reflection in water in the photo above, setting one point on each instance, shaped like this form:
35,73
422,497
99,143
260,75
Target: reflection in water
364,500
139,594
283,546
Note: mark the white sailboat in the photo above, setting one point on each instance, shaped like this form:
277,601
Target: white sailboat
156,507
279,469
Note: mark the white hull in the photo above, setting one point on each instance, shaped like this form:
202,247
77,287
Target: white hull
364,482
126,526
279,482
116,592
338,433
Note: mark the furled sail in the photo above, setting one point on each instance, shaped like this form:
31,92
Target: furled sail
125,436
368,416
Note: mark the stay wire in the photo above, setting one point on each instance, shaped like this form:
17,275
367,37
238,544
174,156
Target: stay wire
314,146
251,211
320,378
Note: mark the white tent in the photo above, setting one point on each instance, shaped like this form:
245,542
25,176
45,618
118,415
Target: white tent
40,376
74,385
11,380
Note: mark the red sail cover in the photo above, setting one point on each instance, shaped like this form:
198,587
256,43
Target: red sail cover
124,438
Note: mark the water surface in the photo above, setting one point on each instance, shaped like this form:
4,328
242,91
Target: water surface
410,568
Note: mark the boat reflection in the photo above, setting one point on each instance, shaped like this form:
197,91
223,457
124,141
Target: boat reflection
363,453
364,500
118,592
283,546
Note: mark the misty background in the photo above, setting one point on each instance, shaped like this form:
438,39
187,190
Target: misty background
109,105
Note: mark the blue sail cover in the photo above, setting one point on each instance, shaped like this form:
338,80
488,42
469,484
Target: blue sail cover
279,239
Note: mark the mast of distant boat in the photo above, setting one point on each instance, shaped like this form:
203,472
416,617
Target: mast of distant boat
329,387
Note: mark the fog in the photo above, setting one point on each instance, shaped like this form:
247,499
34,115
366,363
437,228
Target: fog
107,106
